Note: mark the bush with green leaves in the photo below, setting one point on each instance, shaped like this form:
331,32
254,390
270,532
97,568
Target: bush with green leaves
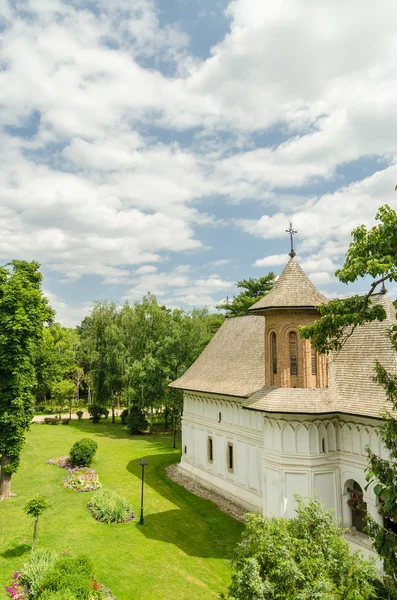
70,573
60,595
110,507
136,421
82,452
33,572
124,416
96,412
303,558
80,414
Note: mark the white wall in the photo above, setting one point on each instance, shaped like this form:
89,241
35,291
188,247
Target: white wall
242,428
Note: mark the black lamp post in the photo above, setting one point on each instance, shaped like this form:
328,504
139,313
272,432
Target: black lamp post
143,462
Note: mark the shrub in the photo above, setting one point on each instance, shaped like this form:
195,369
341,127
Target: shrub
110,507
96,412
79,414
82,480
82,452
34,508
65,421
52,420
124,416
40,408
60,595
105,412
34,571
70,573
136,420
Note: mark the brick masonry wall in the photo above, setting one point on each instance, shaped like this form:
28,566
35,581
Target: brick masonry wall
282,323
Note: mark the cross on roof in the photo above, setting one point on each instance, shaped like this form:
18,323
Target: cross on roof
291,232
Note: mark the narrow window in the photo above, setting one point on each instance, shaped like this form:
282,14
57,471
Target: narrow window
210,450
314,361
323,445
230,456
274,351
293,354
219,417
185,449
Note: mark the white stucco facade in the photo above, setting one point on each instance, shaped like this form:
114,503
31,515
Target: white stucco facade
277,455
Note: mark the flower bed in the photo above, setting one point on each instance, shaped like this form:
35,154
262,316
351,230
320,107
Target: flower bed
61,461
82,479
65,575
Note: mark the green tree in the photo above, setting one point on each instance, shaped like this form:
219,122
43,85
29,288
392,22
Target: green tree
304,558
34,508
63,393
372,252
254,290
23,311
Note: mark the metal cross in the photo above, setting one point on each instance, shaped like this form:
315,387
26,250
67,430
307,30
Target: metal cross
291,235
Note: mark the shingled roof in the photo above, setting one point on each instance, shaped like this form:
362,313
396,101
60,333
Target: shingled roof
293,289
233,363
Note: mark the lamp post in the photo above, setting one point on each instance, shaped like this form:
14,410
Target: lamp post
143,462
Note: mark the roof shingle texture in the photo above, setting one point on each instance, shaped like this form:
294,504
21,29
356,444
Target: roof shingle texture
233,363
292,289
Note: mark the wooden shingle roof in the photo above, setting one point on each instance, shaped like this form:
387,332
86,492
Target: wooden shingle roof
233,363
293,289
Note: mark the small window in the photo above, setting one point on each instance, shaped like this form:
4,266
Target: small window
273,338
185,449
293,353
210,450
314,361
219,417
323,445
230,462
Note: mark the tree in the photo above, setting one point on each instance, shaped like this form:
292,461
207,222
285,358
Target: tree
254,290
34,508
304,558
63,392
372,252
23,311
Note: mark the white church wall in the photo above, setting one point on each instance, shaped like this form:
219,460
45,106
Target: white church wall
241,429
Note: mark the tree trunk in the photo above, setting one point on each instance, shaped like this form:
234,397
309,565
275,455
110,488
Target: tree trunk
113,417
151,419
34,532
5,479
89,400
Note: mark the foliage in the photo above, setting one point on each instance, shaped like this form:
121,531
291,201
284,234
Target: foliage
70,573
301,558
254,290
59,595
372,252
56,359
16,589
80,414
96,412
136,421
34,571
124,416
62,461
82,452
109,507
63,391
36,506
82,479
23,311
52,420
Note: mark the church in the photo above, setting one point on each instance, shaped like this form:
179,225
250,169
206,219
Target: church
265,416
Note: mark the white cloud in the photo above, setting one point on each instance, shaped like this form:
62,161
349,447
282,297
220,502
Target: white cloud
146,269
274,259
68,315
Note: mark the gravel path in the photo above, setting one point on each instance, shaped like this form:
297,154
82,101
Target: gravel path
40,418
235,511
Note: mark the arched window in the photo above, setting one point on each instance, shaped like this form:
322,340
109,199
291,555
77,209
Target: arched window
314,361
357,506
273,339
293,353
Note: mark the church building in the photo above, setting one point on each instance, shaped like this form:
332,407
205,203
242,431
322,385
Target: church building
265,416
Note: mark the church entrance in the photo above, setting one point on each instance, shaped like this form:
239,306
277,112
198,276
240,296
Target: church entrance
357,506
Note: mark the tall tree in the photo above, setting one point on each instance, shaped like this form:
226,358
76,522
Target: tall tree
23,311
372,252
254,290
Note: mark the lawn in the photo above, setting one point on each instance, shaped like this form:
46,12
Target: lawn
181,552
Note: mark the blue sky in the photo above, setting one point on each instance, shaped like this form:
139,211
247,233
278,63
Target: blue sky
164,145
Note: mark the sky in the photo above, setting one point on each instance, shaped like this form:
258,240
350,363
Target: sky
166,145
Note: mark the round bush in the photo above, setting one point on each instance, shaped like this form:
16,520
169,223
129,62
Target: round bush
80,414
82,452
96,412
136,420
110,507
124,416
70,573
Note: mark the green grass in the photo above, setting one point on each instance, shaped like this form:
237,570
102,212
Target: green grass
182,551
